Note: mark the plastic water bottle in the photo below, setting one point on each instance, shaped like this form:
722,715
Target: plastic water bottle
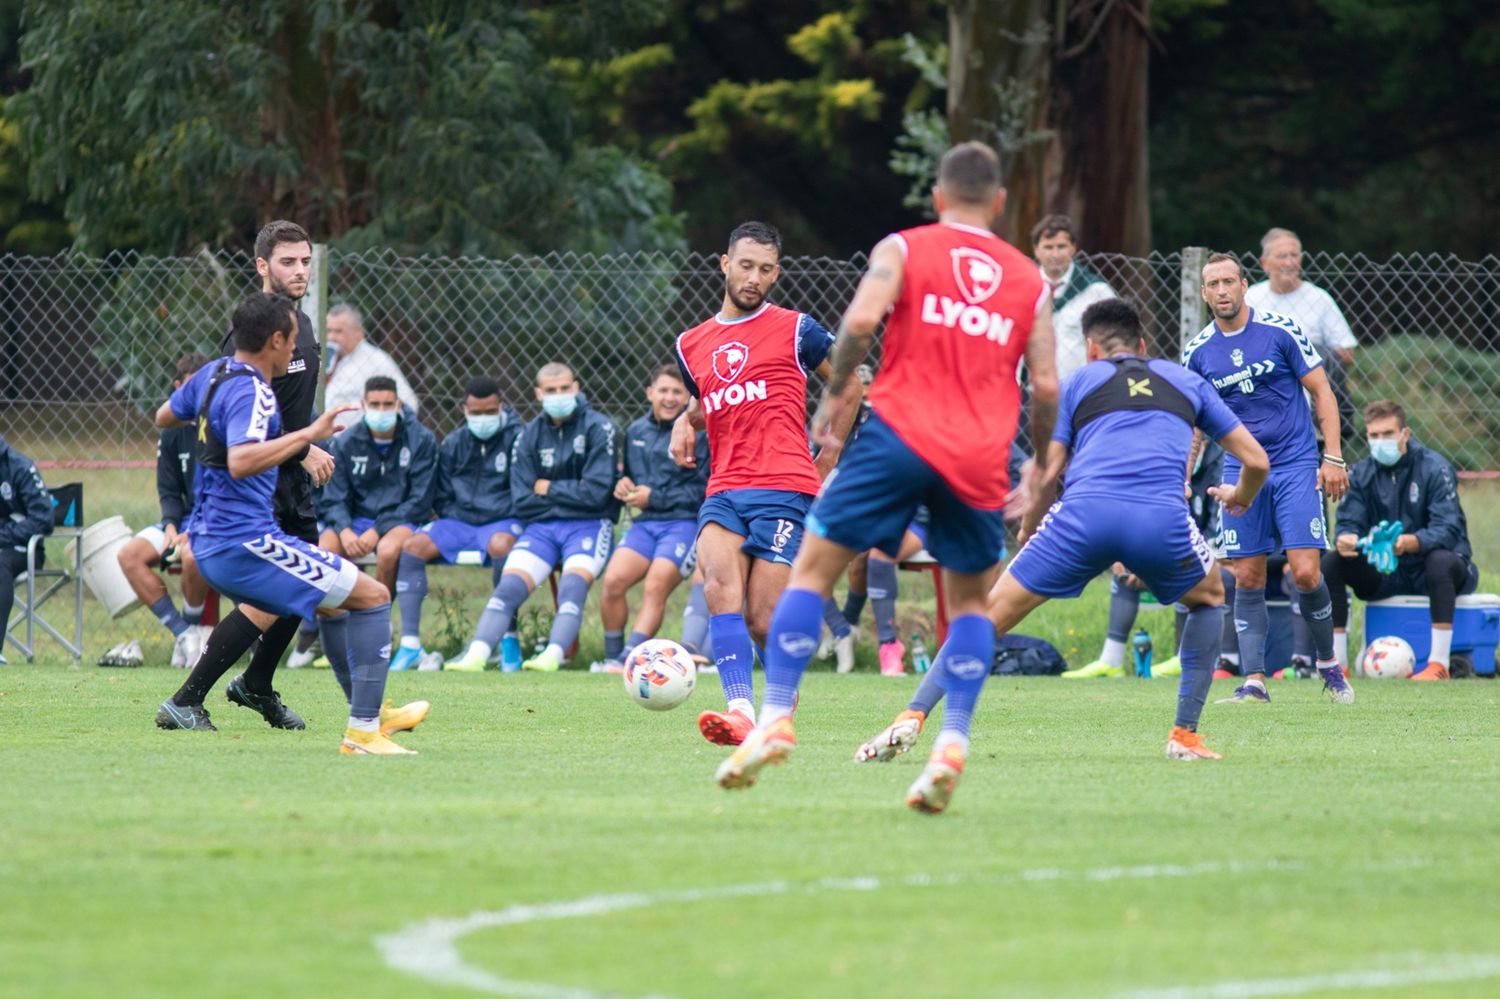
510,653
1140,646
919,658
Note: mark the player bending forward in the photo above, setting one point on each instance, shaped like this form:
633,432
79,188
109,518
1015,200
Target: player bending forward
964,307
241,550
1124,431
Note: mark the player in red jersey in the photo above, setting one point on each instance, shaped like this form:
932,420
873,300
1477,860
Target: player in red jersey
964,308
747,369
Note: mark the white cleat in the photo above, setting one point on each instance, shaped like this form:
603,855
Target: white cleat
896,738
431,662
843,653
825,644
932,791
181,646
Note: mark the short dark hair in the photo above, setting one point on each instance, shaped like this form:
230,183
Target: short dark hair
481,387
670,371
1219,258
1382,409
969,173
763,233
380,383
1113,322
1050,226
273,234
258,317
187,364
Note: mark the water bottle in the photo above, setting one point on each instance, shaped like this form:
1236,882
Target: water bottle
919,659
510,653
1140,645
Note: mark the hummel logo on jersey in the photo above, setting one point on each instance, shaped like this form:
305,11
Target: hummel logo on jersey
1142,387
730,359
1243,377
260,417
977,274
940,310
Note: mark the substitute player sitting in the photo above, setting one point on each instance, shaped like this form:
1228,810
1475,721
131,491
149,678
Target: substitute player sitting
660,545
241,550
475,512
562,480
383,475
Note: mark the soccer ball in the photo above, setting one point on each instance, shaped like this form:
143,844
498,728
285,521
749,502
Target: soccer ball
659,674
1389,658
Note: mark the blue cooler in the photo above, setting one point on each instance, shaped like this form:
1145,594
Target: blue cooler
1476,626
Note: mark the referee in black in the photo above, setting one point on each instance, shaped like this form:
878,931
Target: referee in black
283,258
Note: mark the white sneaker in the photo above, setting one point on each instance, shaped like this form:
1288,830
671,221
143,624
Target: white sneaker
431,662
132,655
301,660
826,644
186,649
843,651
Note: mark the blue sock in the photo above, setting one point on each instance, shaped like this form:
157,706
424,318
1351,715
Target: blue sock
572,592
1201,635
971,652
192,615
614,645
732,655
1251,621
636,638
166,613
695,621
411,590
881,578
834,618
930,690
509,595
369,659
854,606
792,641
1317,614
335,635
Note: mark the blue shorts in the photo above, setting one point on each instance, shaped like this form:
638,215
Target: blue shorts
1287,513
1080,538
673,540
454,536
871,500
280,574
582,545
363,524
770,520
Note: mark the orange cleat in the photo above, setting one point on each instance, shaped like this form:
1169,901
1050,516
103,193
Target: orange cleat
896,738
1185,744
761,748
725,728
1434,671
934,789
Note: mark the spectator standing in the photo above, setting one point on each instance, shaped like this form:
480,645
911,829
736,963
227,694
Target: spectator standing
1074,288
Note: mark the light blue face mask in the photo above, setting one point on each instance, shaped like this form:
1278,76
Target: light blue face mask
484,425
1386,452
380,421
560,407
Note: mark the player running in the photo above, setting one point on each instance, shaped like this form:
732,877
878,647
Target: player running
747,368
965,307
1260,362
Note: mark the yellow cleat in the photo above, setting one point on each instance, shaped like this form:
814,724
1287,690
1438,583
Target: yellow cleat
357,743
1168,667
1096,668
761,748
543,662
469,662
402,719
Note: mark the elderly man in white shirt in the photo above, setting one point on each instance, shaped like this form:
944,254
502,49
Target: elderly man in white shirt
356,362
1074,289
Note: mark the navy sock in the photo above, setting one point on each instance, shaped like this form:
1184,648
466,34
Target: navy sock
636,638
411,590
335,633
695,621
1124,605
166,613
854,606
510,594
930,690
1251,621
966,665
1201,635
497,571
881,578
614,645
732,650
369,660
792,641
834,618
572,591
1317,614
1230,641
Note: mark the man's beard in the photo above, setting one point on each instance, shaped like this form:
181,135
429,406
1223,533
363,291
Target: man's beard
744,306
281,289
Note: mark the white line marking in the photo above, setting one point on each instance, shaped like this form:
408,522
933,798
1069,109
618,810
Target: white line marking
1425,969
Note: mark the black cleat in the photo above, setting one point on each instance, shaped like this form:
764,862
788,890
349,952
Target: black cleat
187,718
276,714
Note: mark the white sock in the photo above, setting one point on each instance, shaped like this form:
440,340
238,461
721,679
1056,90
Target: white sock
949,738
1341,647
364,724
743,706
480,649
1255,683
1114,652
771,712
1442,645
1230,657
411,642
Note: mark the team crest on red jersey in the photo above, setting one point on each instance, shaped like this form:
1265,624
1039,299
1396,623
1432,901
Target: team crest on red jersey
976,272
730,359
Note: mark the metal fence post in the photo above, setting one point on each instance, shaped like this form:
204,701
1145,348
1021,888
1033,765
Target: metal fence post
1191,303
315,302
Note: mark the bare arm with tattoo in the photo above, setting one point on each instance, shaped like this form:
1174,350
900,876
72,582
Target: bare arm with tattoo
876,293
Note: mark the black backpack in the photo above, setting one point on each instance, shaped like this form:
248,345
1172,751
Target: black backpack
1022,655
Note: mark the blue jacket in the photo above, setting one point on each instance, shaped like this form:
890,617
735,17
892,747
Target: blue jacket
676,492
1420,490
473,480
396,489
581,459
25,504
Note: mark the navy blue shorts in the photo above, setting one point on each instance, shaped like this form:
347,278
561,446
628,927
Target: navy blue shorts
454,536
1080,538
871,500
770,520
362,524
279,574
1287,513
673,540
582,545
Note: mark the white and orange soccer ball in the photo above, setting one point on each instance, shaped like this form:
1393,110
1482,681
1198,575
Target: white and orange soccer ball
1389,658
659,674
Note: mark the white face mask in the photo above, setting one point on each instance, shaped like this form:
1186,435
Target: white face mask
1386,452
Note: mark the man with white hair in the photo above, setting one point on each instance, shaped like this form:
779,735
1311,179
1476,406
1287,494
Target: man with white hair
357,361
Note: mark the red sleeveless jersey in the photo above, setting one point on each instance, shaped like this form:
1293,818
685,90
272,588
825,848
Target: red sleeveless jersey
753,390
957,332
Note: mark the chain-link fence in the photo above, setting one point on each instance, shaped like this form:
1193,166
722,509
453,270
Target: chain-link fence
87,345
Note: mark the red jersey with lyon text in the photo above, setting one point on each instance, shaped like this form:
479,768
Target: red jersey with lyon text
750,378
953,341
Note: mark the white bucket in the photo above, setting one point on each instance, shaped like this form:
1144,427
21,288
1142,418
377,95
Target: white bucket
101,567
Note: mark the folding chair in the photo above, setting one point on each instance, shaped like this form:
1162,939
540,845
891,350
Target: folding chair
67,519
